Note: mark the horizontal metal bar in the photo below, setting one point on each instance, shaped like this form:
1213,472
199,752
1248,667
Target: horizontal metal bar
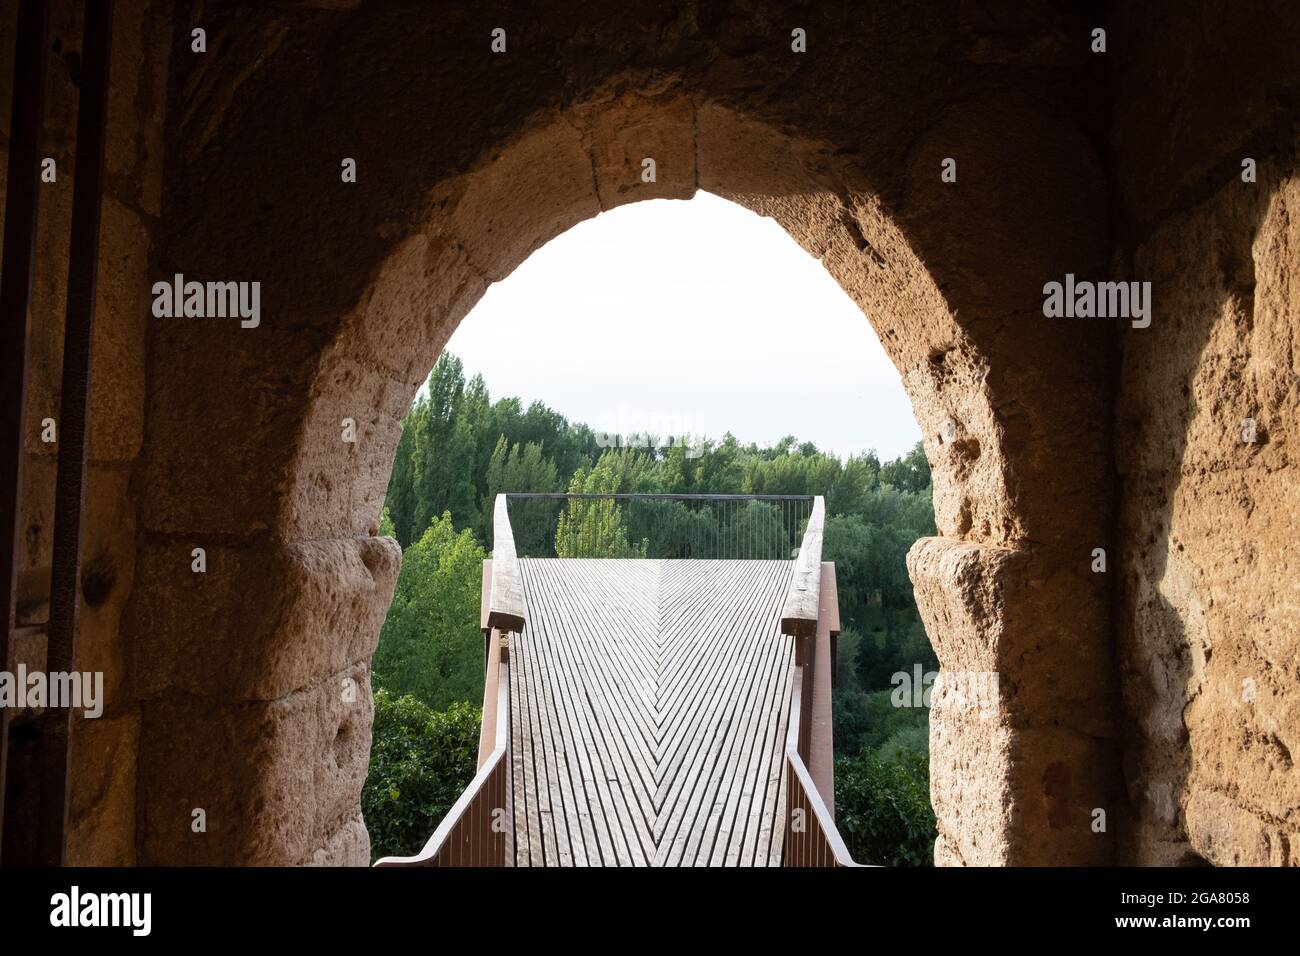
563,496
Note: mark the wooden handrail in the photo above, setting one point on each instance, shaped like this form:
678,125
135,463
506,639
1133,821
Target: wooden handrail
811,837
506,605
477,829
799,616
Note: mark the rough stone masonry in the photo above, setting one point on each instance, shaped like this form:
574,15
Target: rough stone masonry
944,162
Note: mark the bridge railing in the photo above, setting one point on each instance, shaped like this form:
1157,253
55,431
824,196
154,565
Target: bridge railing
506,601
478,829
811,837
803,601
736,527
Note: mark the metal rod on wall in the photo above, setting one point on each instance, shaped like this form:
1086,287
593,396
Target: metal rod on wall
69,490
15,295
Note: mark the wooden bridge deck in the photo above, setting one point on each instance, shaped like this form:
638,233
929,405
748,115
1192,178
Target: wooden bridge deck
649,709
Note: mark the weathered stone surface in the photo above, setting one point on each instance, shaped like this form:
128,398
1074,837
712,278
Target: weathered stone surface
469,162
1021,750
348,846
1208,633
36,516
107,576
291,769
262,620
122,307
1184,120
522,197
101,813
103,761
970,788
137,99
997,610
622,135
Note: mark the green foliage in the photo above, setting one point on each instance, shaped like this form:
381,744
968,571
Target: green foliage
882,808
430,645
444,460
459,449
911,473
594,528
515,468
420,761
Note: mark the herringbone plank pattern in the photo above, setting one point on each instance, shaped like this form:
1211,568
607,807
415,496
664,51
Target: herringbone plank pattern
648,713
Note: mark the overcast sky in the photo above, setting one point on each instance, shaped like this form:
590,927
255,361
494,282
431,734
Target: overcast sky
696,317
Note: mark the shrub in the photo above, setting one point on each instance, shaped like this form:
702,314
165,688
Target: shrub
420,762
882,808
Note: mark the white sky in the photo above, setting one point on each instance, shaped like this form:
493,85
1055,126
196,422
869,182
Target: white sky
698,317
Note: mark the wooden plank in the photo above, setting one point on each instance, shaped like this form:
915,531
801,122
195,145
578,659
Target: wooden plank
735,807
750,844
567,808
821,746
707,802
506,610
528,822
488,729
649,719
581,676
799,617
716,654
599,698
819,842
612,661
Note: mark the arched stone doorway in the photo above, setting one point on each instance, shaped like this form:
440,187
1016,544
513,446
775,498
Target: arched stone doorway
254,675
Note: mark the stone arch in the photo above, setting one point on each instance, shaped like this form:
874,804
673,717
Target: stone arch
363,288
566,168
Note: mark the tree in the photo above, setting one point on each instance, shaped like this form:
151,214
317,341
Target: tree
400,501
909,473
514,469
420,762
882,808
430,645
593,528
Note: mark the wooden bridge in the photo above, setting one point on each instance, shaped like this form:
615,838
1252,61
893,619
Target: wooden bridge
651,712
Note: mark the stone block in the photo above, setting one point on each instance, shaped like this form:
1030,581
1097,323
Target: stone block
635,128
518,200
273,777
101,813
262,620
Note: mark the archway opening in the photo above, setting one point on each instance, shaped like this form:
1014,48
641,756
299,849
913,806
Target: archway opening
298,512
661,348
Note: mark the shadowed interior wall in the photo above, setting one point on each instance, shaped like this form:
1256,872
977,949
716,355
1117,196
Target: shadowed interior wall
363,283
244,691
1209,621
102,824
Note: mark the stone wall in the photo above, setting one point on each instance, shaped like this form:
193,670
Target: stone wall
1209,620
101,827
244,691
364,282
